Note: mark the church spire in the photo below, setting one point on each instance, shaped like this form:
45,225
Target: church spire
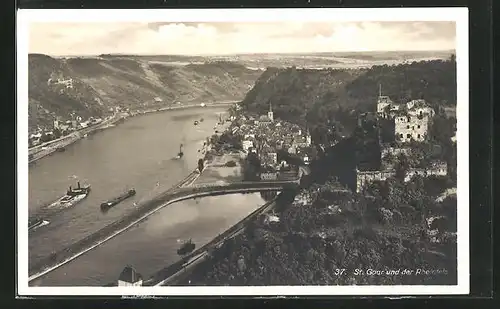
270,114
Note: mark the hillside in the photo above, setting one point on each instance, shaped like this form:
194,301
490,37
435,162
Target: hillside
320,96
91,86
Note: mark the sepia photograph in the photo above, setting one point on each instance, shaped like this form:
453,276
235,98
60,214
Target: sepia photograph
243,152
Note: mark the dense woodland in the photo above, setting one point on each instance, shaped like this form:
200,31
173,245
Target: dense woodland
312,242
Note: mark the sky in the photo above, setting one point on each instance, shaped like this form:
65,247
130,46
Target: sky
225,38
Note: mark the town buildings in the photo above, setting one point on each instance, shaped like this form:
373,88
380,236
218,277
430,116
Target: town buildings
266,136
60,127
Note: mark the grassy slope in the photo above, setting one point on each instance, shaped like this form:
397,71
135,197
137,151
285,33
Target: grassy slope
101,83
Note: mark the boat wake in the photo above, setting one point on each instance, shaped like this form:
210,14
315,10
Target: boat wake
70,199
37,224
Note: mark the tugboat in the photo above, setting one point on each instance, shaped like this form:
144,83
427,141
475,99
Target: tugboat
72,197
186,248
180,154
37,223
107,205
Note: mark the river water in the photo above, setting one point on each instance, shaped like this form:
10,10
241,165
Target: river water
138,153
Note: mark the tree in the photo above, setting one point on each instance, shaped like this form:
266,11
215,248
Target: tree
402,166
200,165
251,167
45,138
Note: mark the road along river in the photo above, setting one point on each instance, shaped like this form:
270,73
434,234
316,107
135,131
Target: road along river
138,153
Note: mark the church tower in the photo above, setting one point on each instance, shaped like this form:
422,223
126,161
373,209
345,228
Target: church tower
270,113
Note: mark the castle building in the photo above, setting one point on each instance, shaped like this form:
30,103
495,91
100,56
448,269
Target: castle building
384,104
411,128
419,108
412,120
438,168
364,178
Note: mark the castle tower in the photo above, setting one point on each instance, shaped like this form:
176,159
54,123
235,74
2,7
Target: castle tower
382,102
270,113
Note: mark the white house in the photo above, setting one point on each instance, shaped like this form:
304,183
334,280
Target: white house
129,277
266,176
247,144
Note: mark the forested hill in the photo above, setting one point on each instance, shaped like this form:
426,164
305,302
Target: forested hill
320,94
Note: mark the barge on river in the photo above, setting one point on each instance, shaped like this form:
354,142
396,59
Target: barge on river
111,203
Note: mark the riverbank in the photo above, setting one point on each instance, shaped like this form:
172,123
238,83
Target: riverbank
65,141
50,147
179,270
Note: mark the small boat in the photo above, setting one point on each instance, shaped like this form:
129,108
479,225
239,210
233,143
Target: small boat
186,248
114,201
60,149
181,153
201,120
196,122
37,223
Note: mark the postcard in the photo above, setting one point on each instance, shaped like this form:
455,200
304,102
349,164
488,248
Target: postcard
243,152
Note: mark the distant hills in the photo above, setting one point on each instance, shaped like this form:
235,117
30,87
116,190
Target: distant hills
302,60
90,86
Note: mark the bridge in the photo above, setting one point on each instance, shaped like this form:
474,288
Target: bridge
176,194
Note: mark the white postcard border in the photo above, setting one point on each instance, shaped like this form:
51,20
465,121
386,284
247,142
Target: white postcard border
459,15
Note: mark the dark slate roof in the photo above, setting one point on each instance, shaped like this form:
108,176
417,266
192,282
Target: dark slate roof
130,275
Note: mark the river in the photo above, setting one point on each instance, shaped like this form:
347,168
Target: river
138,153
